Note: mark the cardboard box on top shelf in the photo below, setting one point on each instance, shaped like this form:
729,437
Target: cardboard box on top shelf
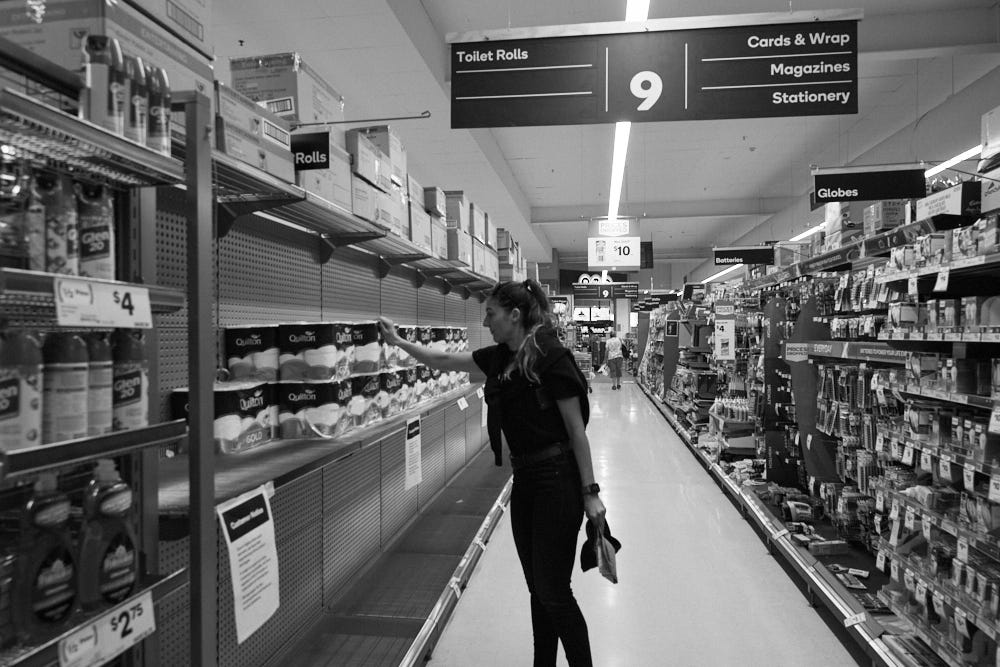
816,243
420,227
884,215
459,246
391,211
841,239
491,232
190,19
252,134
387,140
991,192
493,264
60,38
291,89
364,156
439,238
363,199
414,192
504,239
478,256
458,211
477,222
383,171
844,216
331,182
435,202
786,254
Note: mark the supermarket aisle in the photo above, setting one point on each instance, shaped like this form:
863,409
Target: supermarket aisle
697,587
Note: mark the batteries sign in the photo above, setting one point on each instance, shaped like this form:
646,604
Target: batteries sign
663,73
621,252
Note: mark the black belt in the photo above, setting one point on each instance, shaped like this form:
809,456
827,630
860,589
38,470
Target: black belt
524,460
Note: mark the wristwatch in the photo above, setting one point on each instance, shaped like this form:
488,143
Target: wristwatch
591,489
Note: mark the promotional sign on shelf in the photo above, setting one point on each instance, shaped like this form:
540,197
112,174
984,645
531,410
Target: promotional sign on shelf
725,330
248,530
794,66
611,252
869,183
414,465
81,302
110,635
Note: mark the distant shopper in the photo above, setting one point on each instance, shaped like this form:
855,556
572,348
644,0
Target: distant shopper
615,360
537,398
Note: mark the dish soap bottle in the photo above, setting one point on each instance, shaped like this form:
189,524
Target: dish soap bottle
108,559
45,578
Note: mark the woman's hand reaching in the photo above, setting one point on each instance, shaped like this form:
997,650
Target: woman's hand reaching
388,329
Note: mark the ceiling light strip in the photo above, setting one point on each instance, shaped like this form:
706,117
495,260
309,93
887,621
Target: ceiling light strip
724,272
975,151
622,132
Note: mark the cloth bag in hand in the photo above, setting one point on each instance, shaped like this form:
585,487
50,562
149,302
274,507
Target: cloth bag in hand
599,551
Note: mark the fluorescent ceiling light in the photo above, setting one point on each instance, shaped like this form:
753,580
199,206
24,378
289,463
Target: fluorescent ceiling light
723,272
622,132
967,155
637,10
806,234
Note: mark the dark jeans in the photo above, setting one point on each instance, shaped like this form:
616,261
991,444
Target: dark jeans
546,507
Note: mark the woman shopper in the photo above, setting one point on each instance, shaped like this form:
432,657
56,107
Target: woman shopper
537,398
615,360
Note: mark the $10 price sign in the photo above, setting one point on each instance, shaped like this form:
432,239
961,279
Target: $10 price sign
92,303
110,635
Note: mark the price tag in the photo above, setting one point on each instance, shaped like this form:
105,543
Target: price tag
963,550
962,622
110,635
894,513
880,561
92,303
995,488
857,619
995,420
922,592
480,393
908,455
463,404
781,533
945,470
925,461
969,478
911,286
939,604
879,501
895,570
926,526
941,284
910,523
880,443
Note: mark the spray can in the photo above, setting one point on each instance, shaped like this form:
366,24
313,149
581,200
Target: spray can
137,102
62,250
20,391
64,394
96,220
104,76
159,110
131,380
100,379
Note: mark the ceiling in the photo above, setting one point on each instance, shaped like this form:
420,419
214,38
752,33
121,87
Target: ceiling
693,184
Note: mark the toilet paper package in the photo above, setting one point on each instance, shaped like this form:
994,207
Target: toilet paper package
363,409
367,348
343,338
252,352
407,388
310,409
421,386
307,351
441,338
434,388
388,398
425,336
443,382
246,414
410,335
464,344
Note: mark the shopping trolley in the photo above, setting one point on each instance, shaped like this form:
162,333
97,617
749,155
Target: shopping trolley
584,361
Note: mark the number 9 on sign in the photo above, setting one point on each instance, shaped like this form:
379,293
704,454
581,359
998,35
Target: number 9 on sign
647,86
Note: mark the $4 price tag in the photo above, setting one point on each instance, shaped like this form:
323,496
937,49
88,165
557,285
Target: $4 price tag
93,303
110,635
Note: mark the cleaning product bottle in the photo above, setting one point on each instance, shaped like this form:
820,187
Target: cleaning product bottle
137,100
131,380
44,591
103,100
96,221
100,379
109,558
158,130
64,394
20,391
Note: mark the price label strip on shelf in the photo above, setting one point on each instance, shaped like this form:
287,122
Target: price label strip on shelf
110,635
857,619
463,404
91,303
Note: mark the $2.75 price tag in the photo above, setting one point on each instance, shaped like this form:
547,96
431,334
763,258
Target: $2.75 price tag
110,635
92,303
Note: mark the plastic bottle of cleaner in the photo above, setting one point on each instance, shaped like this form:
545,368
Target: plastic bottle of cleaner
104,77
64,395
137,100
62,250
96,220
131,379
20,391
108,553
158,137
45,579
100,379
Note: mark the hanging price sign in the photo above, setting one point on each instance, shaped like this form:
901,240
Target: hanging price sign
922,592
480,393
92,303
895,570
880,443
879,501
110,635
894,514
962,622
939,604
809,441
925,461
969,477
927,527
941,284
910,522
908,455
945,470
909,581
963,550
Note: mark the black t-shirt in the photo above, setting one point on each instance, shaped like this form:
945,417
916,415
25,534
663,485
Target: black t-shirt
527,412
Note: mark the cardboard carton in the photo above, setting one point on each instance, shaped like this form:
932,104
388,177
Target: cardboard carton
458,211
190,19
435,202
459,246
364,156
363,199
420,227
387,140
439,238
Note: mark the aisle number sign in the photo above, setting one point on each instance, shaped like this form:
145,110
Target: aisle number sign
613,252
718,68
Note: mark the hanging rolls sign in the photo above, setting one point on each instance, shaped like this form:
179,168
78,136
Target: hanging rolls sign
789,64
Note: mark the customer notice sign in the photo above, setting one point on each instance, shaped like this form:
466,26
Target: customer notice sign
664,73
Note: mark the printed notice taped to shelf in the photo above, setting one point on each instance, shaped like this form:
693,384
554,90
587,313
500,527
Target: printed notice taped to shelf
110,635
248,530
941,284
857,619
994,488
414,465
92,303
